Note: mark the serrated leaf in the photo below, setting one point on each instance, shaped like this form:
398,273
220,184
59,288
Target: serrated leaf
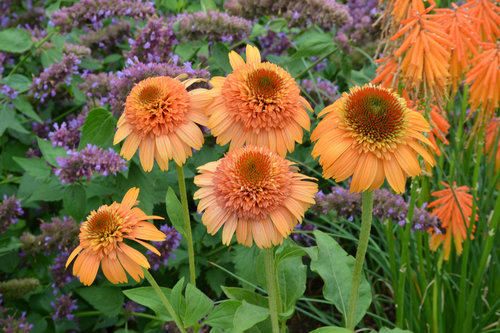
247,315
47,191
17,81
15,40
98,129
36,167
8,120
108,300
75,201
174,211
22,104
220,53
49,152
223,314
197,305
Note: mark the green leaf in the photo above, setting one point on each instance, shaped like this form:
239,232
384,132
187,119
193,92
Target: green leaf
78,95
48,191
222,316
75,201
112,58
186,50
36,167
207,5
247,315
220,53
49,152
15,40
315,45
17,81
147,296
331,329
176,299
245,259
336,267
174,211
241,294
22,104
8,120
292,275
51,56
197,305
98,129
288,250
393,330
108,300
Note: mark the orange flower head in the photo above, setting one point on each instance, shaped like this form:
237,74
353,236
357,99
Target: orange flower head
487,18
371,134
254,192
160,119
102,242
492,139
258,104
448,207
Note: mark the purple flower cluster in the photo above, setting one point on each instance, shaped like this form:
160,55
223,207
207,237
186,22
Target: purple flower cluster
360,30
166,247
11,324
137,71
53,77
386,205
67,135
10,211
8,91
108,37
60,274
302,238
63,308
97,87
217,26
321,90
154,42
87,162
56,236
275,43
299,13
91,13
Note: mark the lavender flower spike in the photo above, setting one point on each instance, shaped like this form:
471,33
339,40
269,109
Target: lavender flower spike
10,211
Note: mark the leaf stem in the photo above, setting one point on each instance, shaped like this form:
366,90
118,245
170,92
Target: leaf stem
272,289
366,223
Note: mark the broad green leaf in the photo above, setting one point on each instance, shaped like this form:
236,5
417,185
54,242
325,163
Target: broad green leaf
245,259
336,267
22,104
315,45
51,56
241,294
177,299
147,296
288,250
220,53
247,315
108,300
17,81
174,211
98,129
223,314
36,167
292,282
331,329
15,40
75,201
393,330
49,152
197,305
207,5
48,191
186,50
8,120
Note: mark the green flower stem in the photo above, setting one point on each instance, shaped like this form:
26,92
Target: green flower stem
164,300
405,262
366,223
421,275
272,289
187,224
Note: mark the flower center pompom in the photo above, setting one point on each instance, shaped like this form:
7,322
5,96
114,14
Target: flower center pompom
261,96
158,105
376,117
251,182
104,227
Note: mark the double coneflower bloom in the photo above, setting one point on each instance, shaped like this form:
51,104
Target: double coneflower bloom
102,242
160,119
258,104
371,134
254,192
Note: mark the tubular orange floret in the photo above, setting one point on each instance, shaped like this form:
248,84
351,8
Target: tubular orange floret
486,18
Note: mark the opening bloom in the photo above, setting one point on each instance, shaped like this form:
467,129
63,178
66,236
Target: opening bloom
255,193
258,104
371,134
453,207
102,241
160,119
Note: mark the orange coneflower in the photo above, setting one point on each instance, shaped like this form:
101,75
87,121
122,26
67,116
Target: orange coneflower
159,119
425,53
255,193
492,140
102,239
259,104
458,25
484,80
487,18
449,207
371,134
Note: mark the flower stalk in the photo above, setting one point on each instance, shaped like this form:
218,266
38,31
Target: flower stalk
272,289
